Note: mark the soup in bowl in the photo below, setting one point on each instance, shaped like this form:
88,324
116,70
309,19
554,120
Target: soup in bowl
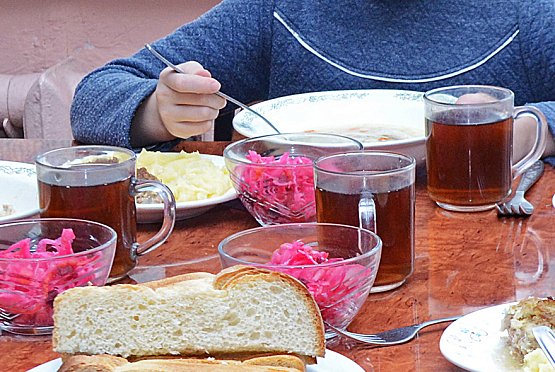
390,120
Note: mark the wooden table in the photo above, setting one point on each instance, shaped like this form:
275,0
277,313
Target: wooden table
464,262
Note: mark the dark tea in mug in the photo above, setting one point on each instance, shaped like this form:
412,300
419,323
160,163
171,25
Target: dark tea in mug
469,164
373,190
469,145
98,183
107,203
394,225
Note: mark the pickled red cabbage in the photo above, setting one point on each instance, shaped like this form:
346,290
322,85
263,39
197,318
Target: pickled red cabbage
30,279
278,194
335,289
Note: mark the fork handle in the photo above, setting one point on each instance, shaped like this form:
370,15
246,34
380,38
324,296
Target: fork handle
530,176
434,321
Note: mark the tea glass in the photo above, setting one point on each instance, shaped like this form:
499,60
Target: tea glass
469,145
373,190
98,183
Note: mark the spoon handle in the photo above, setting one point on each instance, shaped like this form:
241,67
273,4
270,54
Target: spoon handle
221,94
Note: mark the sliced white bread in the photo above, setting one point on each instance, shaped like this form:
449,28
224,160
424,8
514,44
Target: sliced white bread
241,310
109,363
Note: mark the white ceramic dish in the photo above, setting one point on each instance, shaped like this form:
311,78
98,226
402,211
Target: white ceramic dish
18,188
317,111
332,362
152,213
474,342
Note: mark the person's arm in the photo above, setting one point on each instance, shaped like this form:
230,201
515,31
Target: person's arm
524,137
124,103
537,43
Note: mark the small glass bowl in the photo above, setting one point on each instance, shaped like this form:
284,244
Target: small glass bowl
281,193
338,287
29,285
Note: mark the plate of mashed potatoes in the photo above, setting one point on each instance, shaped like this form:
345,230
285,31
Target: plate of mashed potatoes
199,182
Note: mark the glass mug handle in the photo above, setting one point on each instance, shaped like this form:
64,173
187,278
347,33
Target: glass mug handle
541,138
165,193
367,212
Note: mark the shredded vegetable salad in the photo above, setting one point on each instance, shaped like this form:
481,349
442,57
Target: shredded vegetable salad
278,194
334,288
30,278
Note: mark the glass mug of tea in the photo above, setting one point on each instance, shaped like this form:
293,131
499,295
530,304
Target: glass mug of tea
469,145
372,190
98,183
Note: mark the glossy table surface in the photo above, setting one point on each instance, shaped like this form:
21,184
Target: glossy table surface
464,262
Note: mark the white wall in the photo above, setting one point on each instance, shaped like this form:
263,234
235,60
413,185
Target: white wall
37,34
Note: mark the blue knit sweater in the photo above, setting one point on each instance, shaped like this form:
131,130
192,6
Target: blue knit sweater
262,49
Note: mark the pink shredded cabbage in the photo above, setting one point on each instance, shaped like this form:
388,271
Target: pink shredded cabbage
279,194
29,281
336,289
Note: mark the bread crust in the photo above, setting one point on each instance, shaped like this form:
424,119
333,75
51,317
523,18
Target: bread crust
110,363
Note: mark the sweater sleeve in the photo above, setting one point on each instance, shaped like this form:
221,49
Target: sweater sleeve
538,43
231,41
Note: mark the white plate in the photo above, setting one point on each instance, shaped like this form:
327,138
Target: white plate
18,188
151,213
398,109
332,362
474,342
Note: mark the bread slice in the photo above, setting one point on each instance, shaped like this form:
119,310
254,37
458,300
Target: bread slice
110,363
242,310
521,318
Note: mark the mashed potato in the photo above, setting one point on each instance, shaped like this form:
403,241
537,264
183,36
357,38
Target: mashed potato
189,176
536,361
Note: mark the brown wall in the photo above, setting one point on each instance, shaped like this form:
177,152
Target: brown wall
37,34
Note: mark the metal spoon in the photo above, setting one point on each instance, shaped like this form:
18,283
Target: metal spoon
221,94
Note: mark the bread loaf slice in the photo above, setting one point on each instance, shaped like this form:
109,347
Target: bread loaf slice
110,363
242,310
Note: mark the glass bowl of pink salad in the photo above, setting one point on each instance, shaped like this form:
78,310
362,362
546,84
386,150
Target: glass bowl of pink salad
337,263
273,174
41,258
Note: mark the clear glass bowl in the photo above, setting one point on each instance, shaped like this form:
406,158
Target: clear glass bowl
340,287
281,193
29,285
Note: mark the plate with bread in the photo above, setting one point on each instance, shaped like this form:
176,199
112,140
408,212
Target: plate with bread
331,362
499,338
241,319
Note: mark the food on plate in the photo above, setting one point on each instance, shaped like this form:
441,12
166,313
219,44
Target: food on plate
536,361
109,363
29,281
372,133
188,175
241,310
7,210
328,284
282,192
519,321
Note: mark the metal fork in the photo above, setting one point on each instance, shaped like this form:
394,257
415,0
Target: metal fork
393,336
546,339
518,206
